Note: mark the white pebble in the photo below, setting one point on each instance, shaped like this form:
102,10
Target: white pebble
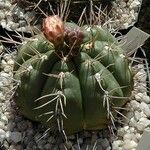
132,122
141,76
121,132
3,118
128,136
10,62
117,144
128,145
137,115
123,4
144,107
146,99
132,130
2,15
7,69
3,23
138,136
139,97
3,63
134,104
2,125
140,126
134,4
2,135
14,136
145,121
2,132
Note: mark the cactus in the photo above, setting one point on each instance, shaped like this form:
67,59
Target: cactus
72,78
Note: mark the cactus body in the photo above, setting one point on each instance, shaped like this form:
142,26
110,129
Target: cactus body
74,84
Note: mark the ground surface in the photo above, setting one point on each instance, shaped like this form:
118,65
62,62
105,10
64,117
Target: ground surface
144,24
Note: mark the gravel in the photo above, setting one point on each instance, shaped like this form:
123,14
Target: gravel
19,133
124,14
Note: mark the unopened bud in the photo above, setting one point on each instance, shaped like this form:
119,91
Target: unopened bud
53,29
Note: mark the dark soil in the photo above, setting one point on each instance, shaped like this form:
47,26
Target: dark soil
144,24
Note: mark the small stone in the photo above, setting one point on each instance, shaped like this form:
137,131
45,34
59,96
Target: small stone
7,69
2,135
14,136
145,121
134,104
12,147
139,96
138,136
10,62
146,99
3,23
125,25
145,108
3,118
140,126
129,115
7,5
123,4
22,23
14,26
121,132
116,144
126,128
127,136
128,145
108,148
137,115
1,48
2,15
132,122
134,4
2,126
132,130
9,115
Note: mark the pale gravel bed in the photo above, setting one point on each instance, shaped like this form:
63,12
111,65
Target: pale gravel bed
124,14
19,133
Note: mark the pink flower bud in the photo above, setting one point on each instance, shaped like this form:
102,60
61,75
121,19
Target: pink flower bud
53,29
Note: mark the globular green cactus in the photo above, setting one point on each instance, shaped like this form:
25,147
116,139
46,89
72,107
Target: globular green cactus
72,77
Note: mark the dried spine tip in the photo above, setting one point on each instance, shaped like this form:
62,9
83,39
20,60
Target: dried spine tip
53,29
